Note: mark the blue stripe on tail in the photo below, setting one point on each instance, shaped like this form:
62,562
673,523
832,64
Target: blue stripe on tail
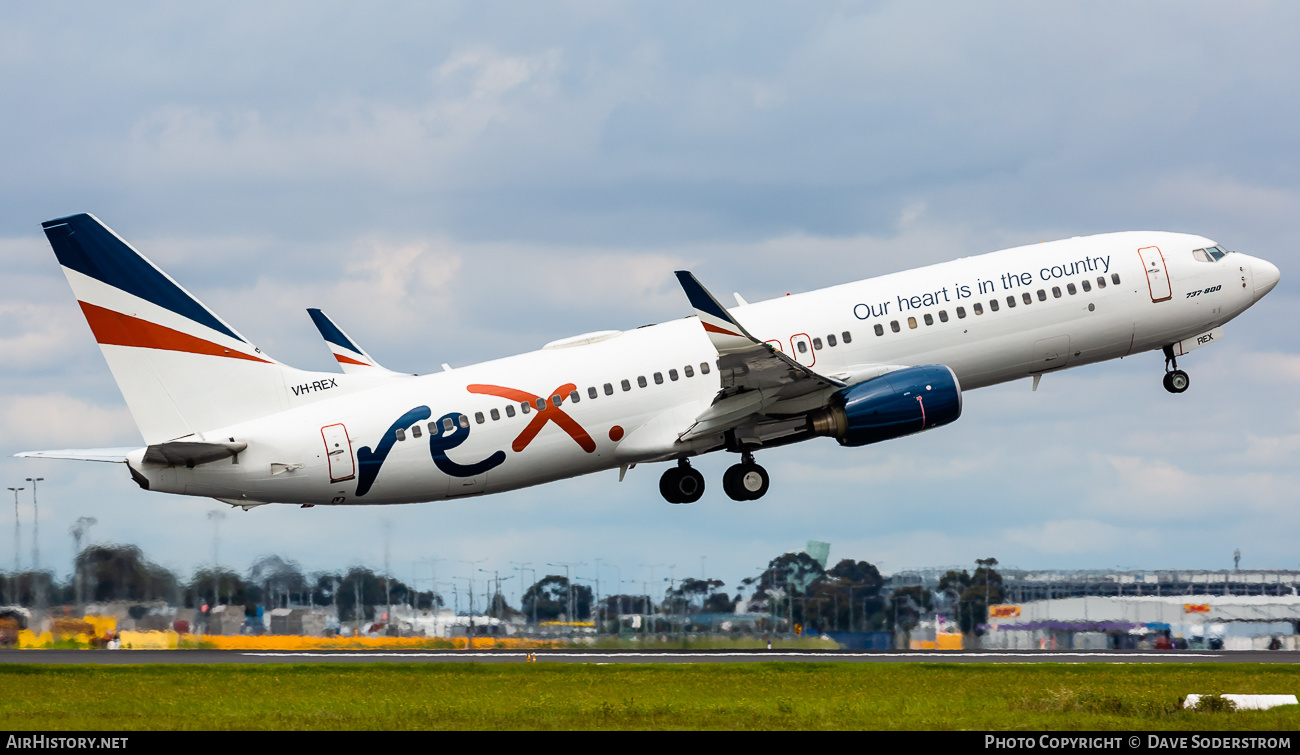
84,244
330,332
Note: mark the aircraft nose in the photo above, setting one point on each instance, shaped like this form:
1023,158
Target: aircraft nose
1266,276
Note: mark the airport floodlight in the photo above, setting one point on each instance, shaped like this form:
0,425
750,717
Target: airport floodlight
17,531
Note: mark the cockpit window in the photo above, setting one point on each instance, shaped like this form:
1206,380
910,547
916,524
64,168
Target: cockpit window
1208,254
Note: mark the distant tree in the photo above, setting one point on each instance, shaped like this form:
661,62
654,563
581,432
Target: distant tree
550,597
908,604
278,582
121,572
693,593
214,587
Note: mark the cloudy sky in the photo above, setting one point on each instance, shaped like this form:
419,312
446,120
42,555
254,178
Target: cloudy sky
461,181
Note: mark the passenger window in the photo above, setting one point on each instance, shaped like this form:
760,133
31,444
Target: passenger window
479,418
929,319
416,432
911,323
943,315
1070,287
1028,299
401,434
659,378
880,329
690,371
1056,291
801,346
1011,301
541,404
625,385
830,340
993,305
961,313
979,308
1101,281
464,421
847,337
556,400
893,325
495,415
609,389
1114,278
1086,285
640,381
574,397
704,368
817,344
510,410
1042,295
672,375
591,392
525,407
448,425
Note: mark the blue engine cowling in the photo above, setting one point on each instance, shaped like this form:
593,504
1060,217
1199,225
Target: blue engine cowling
899,403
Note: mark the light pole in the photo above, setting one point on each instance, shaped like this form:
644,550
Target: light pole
17,531
36,526
78,530
521,567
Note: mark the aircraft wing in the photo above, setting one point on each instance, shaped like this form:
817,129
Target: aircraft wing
352,358
754,376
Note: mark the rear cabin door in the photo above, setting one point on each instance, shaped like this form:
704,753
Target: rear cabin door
1157,273
339,449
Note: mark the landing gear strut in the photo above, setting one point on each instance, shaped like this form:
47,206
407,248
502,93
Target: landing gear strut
745,481
682,483
1176,381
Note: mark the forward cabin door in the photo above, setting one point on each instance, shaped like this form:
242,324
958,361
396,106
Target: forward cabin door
1157,273
339,449
801,348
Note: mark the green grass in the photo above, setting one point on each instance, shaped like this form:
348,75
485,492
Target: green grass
588,696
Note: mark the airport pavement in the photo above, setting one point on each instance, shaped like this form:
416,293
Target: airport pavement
192,657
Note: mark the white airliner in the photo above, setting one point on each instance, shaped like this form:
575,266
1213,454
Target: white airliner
861,363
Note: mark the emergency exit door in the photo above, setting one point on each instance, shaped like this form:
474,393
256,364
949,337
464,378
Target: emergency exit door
1157,273
339,450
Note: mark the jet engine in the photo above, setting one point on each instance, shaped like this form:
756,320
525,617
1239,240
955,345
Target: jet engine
899,403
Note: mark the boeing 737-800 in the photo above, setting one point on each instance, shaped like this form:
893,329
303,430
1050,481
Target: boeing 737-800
860,363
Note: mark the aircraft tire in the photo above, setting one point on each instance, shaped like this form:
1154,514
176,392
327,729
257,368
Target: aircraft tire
690,485
731,482
668,485
1177,381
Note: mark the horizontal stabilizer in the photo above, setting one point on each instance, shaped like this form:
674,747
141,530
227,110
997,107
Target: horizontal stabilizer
83,454
186,453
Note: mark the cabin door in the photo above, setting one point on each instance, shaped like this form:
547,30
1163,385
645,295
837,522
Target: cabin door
801,348
1157,273
339,450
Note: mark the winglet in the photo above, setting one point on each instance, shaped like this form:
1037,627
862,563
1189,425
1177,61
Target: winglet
351,357
728,335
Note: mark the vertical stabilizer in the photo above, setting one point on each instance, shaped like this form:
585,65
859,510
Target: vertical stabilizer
181,368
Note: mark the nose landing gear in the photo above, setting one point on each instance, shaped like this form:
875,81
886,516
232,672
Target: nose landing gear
745,481
682,483
1176,381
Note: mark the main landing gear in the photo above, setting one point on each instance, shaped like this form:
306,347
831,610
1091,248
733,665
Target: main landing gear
1176,381
682,483
745,481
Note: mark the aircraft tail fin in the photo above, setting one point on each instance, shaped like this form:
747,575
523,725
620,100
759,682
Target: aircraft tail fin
351,357
182,369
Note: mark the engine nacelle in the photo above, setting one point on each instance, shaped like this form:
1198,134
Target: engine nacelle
899,403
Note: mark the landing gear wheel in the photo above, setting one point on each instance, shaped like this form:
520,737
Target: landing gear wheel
682,484
1177,381
745,482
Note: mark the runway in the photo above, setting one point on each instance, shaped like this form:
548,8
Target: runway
202,657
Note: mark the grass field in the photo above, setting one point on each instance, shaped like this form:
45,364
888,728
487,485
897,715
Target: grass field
588,696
